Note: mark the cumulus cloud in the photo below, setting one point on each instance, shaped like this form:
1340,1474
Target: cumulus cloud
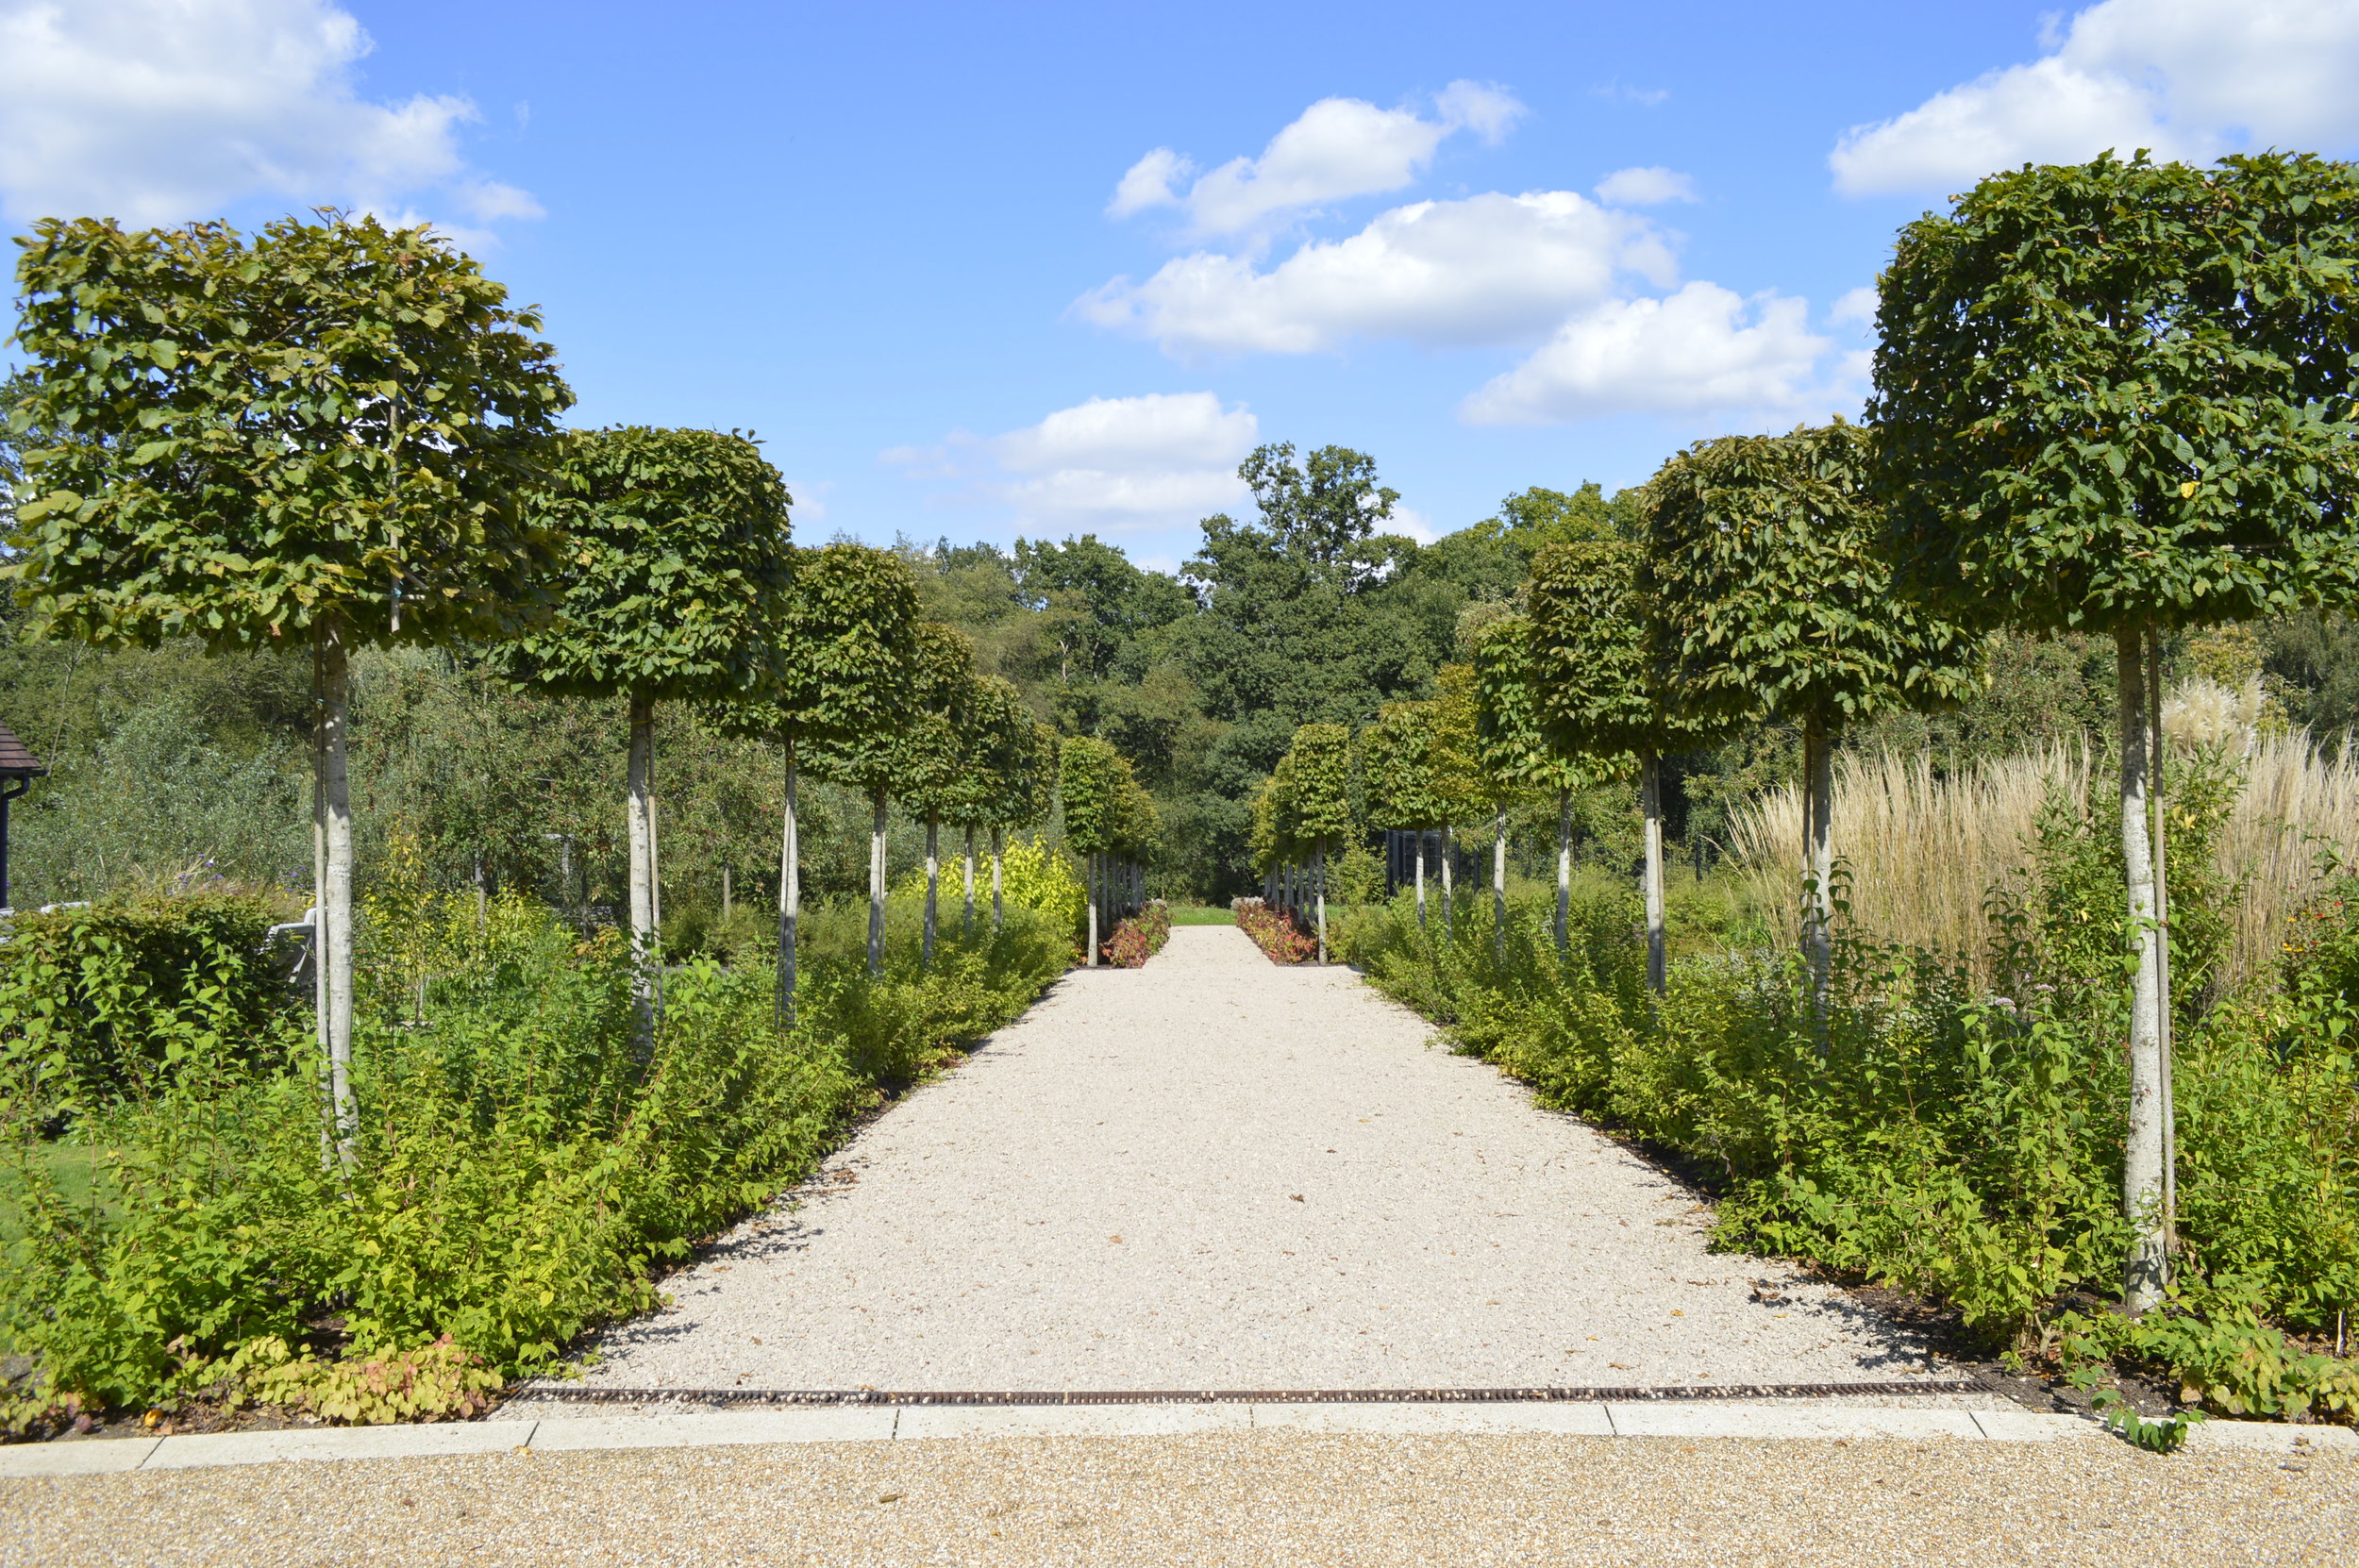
1111,464
1337,148
156,111
1487,269
1647,186
2187,78
1702,350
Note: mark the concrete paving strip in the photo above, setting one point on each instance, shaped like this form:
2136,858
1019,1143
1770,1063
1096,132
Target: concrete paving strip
870,1424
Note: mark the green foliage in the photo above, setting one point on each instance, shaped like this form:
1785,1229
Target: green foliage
524,1167
931,765
846,637
2119,393
235,440
1396,769
1320,799
103,1003
677,573
1954,1143
1517,745
1594,658
1035,876
1087,788
1356,875
157,804
1764,564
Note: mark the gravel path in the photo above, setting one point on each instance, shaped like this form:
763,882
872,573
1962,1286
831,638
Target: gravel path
1278,1500
1216,1173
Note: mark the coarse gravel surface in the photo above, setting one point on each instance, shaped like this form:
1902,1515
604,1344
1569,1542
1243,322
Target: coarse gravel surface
1279,1499
1215,1173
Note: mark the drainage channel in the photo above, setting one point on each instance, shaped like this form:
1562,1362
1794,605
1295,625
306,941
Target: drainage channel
1592,1394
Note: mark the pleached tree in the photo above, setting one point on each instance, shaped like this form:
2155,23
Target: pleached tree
1597,667
1766,568
1522,750
996,747
848,638
1466,791
679,578
1089,788
2115,397
1396,765
1319,803
933,671
315,435
935,763
1024,793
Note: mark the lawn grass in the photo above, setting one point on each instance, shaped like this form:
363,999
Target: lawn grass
72,1166
1200,914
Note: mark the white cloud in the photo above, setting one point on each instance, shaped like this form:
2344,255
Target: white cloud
1416,524
1488,269
1854,308
156,111
1149,183
2187,78
1647,186
1703,350
1111,464
1338,147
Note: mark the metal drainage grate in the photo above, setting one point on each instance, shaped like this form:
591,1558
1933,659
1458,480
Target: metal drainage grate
577,1395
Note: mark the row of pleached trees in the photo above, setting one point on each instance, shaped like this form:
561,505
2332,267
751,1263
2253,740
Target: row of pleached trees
2116,397
339,434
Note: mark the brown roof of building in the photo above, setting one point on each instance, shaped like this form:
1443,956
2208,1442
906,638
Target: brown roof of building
15,761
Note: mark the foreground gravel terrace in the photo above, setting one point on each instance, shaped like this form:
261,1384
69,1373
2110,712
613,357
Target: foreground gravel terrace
1216,1173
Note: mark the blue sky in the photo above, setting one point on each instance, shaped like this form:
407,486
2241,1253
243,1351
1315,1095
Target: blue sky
981,270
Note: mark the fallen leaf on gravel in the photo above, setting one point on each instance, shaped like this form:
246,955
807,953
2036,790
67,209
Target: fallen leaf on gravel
891,1496
1297,1196
1113,1237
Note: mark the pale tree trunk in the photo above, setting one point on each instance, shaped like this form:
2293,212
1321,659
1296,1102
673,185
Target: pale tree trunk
1818,861
642,812
1421,880
1499,886
877,883
1650,805
2143,1271
933,886
1090,878
1318,881
725,890
2162,1027
790,897
323,999
998,878
966,922
332,939
1563,870
1449,889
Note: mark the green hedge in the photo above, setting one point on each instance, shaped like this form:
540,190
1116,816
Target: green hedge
1961,1145
109,995
525,1168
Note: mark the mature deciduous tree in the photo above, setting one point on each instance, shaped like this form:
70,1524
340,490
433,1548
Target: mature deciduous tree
2118,396
319,433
